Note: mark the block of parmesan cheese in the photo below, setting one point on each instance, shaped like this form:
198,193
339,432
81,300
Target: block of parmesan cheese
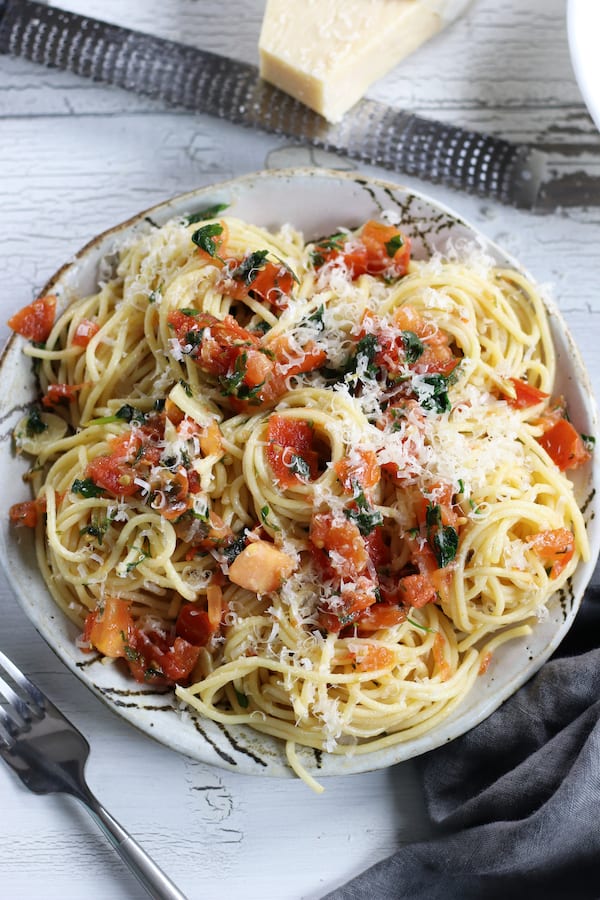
326,53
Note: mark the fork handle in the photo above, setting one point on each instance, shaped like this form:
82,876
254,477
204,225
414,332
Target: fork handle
157,884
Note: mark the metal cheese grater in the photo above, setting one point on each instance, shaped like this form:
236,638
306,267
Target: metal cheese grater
198,80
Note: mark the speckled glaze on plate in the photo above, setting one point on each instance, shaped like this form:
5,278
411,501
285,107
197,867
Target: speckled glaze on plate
317,201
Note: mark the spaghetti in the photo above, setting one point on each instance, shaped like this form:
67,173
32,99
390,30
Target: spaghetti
313,486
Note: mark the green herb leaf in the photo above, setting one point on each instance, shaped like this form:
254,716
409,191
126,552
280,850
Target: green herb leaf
422,627
186,387
413,347
35,424
87,488
264,514
205,238
394,244
231,383
241,699
233,550
202,215
445,545
188,311
588,439
250,266
316,319
364,356
432,393
364,516
299,467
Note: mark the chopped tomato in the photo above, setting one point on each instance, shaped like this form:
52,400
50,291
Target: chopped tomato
112,475
416,590
60,393
179,660
211,440
361,469
35,321
27,513
194,625
290,450
110,628
378,550
170,492
270,282
388,250
292,362
343,249
357,596
564,445
556,546
220,241
372,657
342,539
526,394
378,249
380,615
85,331
439,656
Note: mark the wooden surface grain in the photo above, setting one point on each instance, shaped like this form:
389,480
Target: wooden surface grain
75,158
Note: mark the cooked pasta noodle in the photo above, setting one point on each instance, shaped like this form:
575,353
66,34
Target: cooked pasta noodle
315,486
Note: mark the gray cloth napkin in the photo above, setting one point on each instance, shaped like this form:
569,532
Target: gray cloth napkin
516,801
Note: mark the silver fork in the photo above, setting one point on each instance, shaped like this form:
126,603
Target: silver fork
49,754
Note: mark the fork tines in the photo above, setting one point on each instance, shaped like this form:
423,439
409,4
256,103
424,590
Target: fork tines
17,710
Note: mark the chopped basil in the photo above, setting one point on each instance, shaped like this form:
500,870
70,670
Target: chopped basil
418,625
231,383
432,393
588,439
193,338
188,311
364,516
87,488
316,319
159,404
155,296
186,387
202,215
233,550
241,699
205,238
299,467
394,244
144,554
262,327
461,486
250,266
413,347
445,545
35,424
264,514
364,356
125,413
97,528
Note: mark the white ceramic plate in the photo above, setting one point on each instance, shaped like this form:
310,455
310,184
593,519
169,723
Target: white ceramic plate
317,202
583,25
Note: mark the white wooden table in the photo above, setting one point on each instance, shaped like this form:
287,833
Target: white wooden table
76,158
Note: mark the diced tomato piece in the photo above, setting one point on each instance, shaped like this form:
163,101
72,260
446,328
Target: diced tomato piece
388,250
220,241
290,450
380,615
564,446
526,394
60,393
35,320
343,537
358,596
194,625
378,550
271,282
360,469
258,368
439,656
27,513
179,661
292,362
556,546
372,657
112,475
111,628
85,331
345,250
416,590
